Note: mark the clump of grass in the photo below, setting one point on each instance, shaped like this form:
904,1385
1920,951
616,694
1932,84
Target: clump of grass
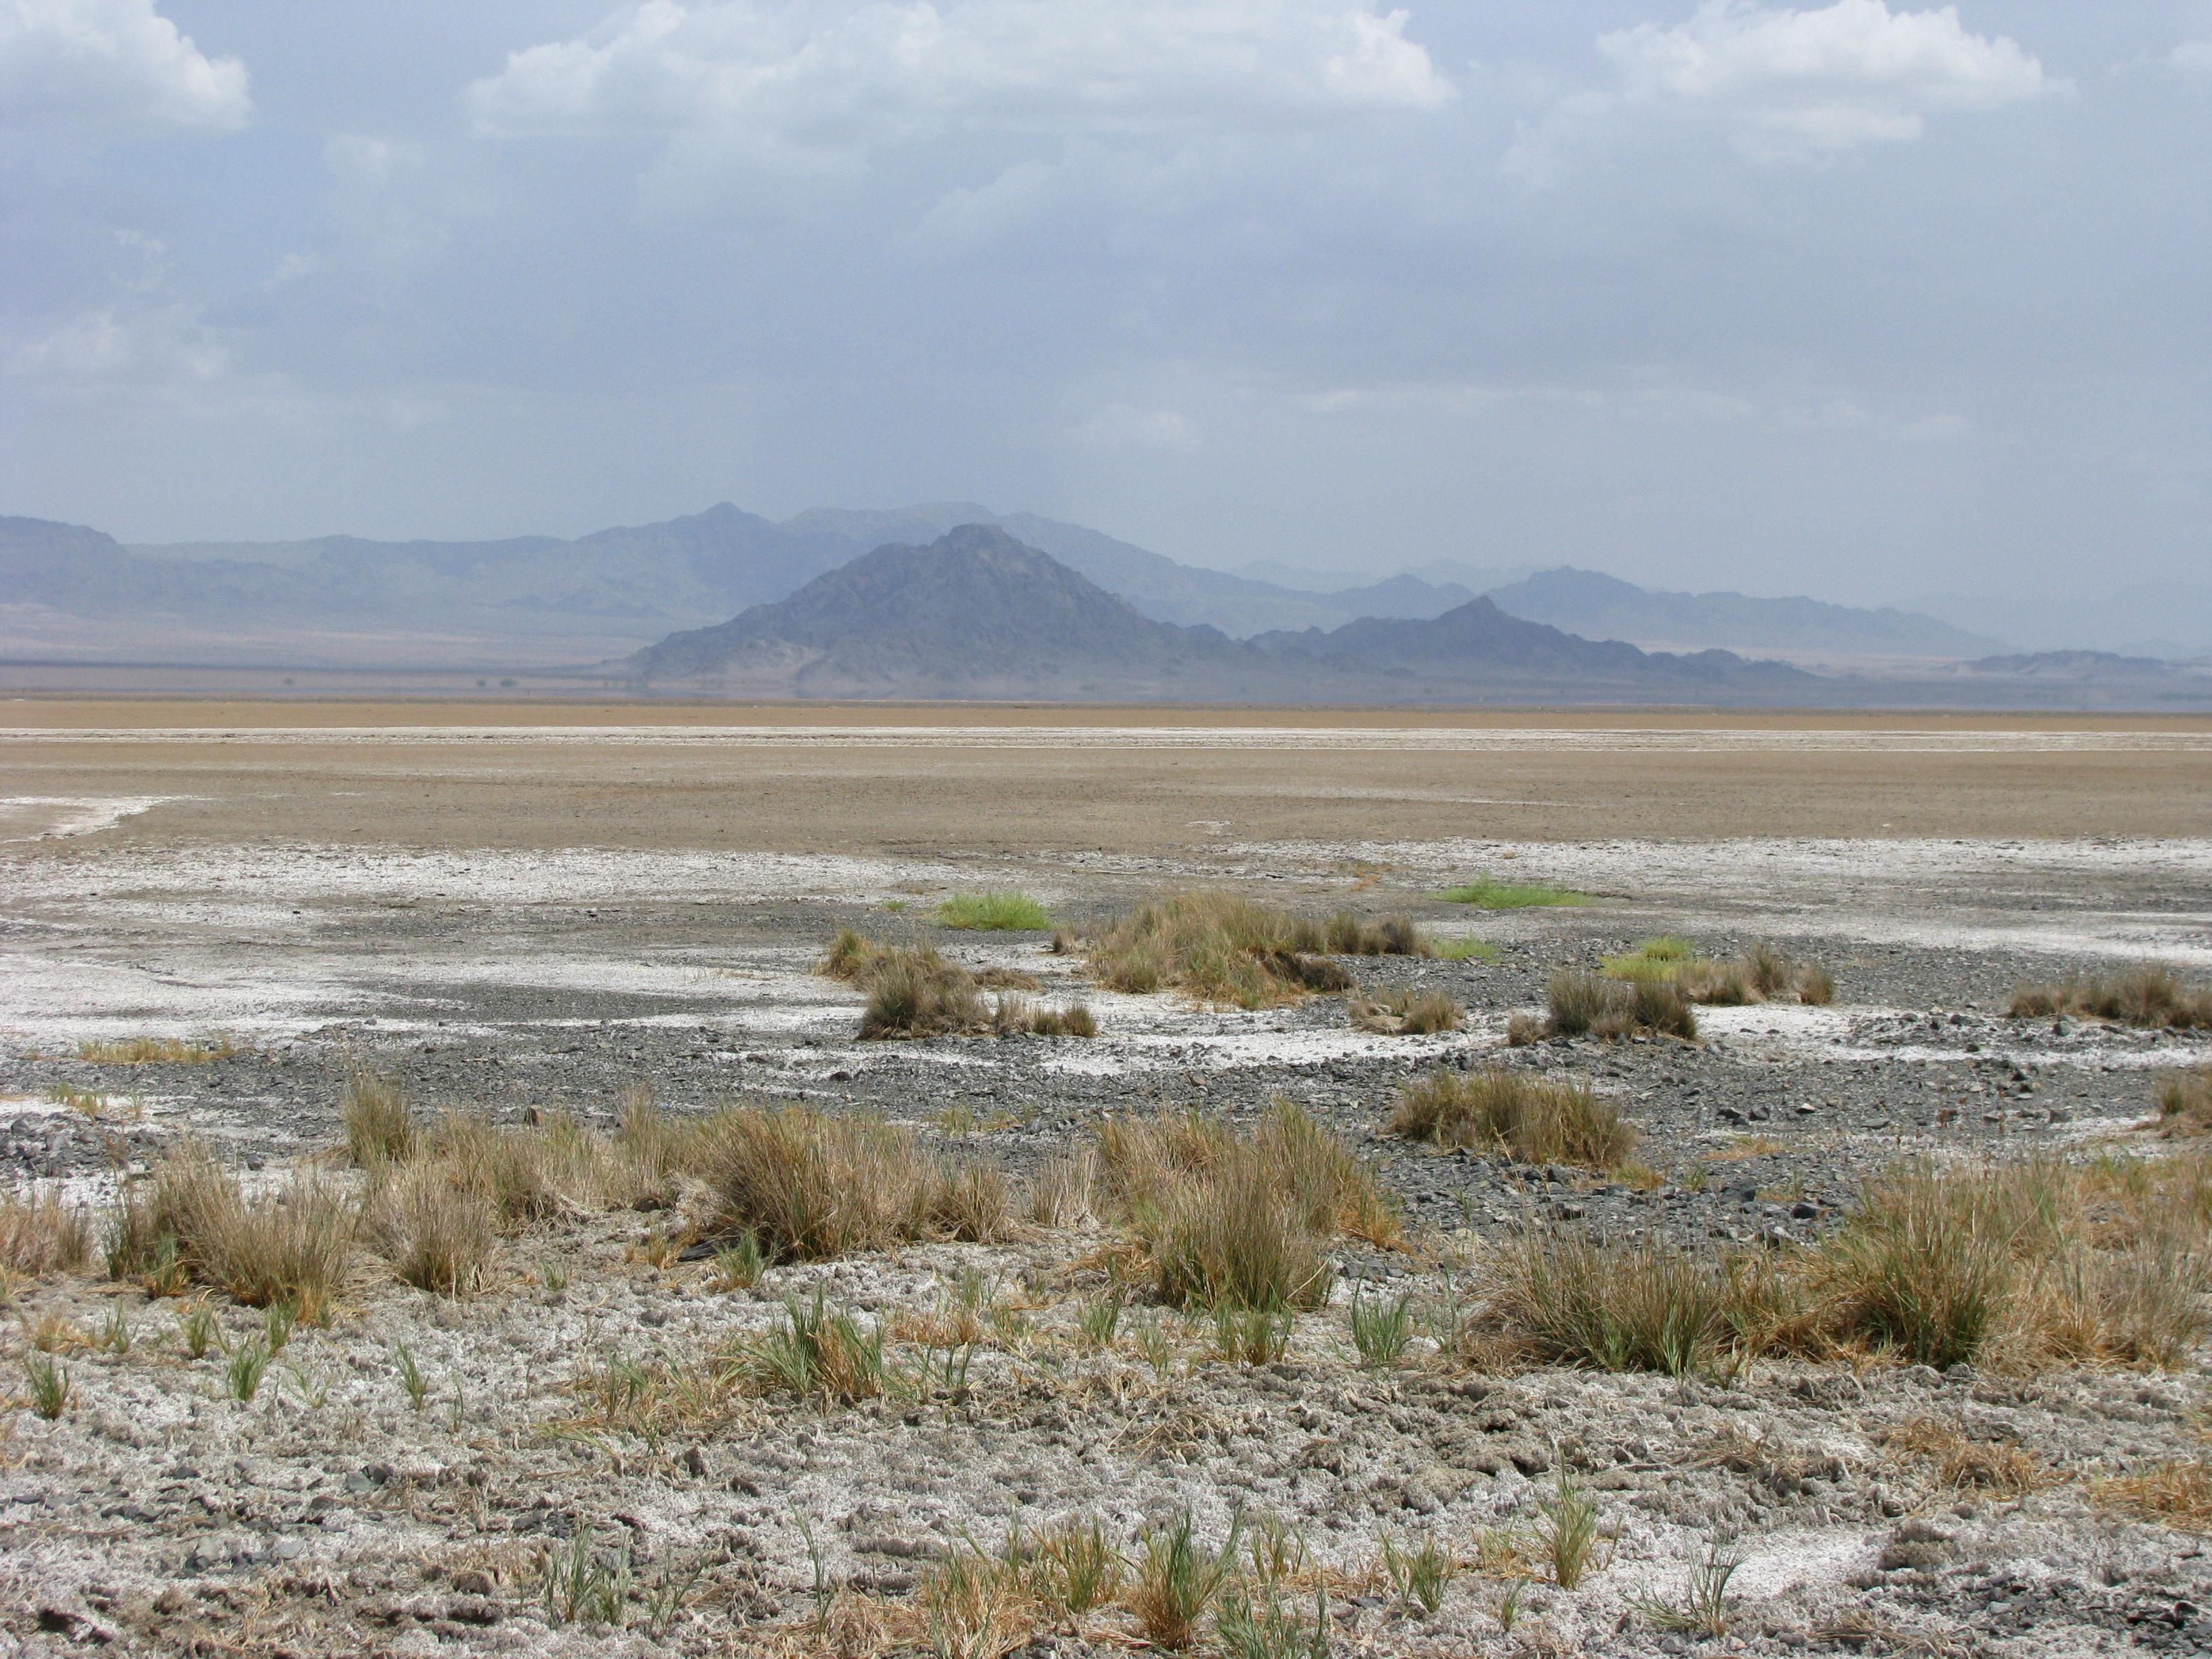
1406,1013
249,1363
1762,974
1579,1003
49,1382
1243,1219
2002,1466
1225,949
808,1186
2015,1266
1178,1580
1570,1537
1251,1335
1488,893
2177,1494
738,1265
819,1351
1644,1306
154,1051
2151,996
191,1221
1381,1328
1421,1572
1703,1607
40,1234
378,1127
1074,1567
438,1233
1532,1120
913,991
2184,1102
1000,912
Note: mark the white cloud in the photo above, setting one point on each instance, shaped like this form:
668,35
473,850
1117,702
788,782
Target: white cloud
1848,74
810,85
111,67
120,344
2192,58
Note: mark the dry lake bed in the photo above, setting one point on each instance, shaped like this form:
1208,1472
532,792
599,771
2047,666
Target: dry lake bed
554,921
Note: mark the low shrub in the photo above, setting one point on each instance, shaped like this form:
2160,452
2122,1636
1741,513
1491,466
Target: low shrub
2150,996
1222,948
1532,1120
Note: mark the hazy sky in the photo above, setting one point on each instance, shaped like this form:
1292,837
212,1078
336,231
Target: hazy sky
1860,299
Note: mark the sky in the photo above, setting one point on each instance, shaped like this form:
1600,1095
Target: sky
1863,300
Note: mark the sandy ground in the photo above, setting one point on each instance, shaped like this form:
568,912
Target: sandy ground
544,909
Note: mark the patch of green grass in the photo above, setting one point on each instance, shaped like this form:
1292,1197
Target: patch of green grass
1465,950
1488,893
992,912
1663,957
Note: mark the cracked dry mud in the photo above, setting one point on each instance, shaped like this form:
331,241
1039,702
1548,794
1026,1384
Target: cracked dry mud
332,1513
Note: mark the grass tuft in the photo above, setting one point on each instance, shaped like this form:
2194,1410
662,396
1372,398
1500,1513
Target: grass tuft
154,1051
190,1220
438,1233
1761,973
1224,948
1406,1013
1245,1220
999,912
378,1127
2184,1102
1532,1120
1487,893
40,1234
2151,996
1178,1579
1579,1003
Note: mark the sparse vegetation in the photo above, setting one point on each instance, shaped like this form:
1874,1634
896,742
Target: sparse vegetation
1177,1581
1406,1013
2001,1466
1381,1327
2014,1266
437,1232
1532,1120
913,991
1224,948
2184,1102
49,1382
380,1129
40,1234
1488,893
154,1051
1580,1003
1463,950
996,912
1245,1218
1569,1538
191,1221
1761,974
2173,1494
2151,996
818,1351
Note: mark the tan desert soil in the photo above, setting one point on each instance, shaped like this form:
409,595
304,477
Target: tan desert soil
510,912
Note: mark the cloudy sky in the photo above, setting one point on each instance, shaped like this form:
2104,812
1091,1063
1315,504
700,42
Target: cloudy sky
1862,300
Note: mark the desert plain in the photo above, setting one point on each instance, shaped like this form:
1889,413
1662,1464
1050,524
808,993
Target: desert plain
602,923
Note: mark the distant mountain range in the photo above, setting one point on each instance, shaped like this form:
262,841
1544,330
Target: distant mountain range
977,613
69,593
1605,607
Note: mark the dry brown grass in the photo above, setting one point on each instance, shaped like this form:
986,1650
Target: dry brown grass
1406,1013
1240,1218
289,1243
2184,1102
155,1051
913,991
437,1232
1224,948
378,1127
2178,1495
2016,1268
40,1234
1532,1120
2151,996
1579,1003
2000,1466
